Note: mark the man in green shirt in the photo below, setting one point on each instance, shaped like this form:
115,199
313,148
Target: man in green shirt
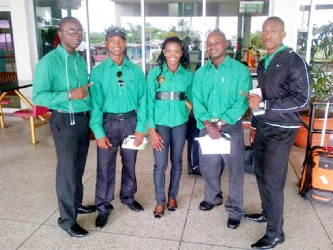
118,109
60,83
218,107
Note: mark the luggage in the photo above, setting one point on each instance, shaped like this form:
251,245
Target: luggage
316,183
192,146
248,159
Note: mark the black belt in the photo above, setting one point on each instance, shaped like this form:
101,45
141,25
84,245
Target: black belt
120,116
179,96
83,114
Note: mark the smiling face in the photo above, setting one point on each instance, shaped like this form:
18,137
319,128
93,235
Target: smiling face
272,35
172,52
116,46
70,34
216,46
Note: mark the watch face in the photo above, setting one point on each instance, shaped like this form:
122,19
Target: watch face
261,105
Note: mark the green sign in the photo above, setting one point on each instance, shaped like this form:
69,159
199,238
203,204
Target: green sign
251,7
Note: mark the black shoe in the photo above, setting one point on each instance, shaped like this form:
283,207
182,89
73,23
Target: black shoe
135,206
233,223
86,209
260,218
267,242
101,220
77,231
206,206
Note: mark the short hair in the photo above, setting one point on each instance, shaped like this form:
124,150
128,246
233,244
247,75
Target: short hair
276,19
68,19
216,30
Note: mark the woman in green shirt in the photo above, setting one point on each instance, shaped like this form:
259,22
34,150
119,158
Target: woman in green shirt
168,85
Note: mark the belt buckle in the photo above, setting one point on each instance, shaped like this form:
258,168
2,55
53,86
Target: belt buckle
120,117
172,95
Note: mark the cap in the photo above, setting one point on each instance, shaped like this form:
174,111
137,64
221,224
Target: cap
113,30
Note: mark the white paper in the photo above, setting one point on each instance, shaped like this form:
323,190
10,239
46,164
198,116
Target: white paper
129,143
257,111
214,146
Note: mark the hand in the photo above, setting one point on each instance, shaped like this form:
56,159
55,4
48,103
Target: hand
212,130
138,138
80,93
156,140
252,135
253,99
104,143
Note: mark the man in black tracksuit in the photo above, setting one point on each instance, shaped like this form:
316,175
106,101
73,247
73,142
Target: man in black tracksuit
284,81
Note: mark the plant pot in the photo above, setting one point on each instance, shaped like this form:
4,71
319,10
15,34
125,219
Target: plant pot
302,136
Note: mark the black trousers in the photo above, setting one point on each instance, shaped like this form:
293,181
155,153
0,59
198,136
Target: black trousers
272,147
116,130
72,144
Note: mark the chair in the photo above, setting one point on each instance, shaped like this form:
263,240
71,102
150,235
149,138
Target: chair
3,101
7,79
39,112
9,85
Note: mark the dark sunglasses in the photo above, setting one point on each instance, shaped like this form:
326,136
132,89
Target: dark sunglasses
121,83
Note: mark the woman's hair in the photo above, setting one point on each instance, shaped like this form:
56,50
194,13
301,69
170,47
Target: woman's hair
184,60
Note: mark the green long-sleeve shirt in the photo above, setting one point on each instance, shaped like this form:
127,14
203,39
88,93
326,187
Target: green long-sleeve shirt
169,113
108,97
50,87
216,91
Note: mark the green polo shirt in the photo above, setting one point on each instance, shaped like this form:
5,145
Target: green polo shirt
268,59
108,97
51,78
169,113
216,91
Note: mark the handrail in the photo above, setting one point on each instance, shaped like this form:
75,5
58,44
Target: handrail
311,129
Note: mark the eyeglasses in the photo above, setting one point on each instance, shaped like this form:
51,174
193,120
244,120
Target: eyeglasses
121,83
72,32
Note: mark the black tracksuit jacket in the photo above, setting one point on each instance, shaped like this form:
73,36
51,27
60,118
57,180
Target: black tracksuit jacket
285,88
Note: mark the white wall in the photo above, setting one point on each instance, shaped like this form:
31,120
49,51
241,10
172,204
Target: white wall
286,10
4,5
24,33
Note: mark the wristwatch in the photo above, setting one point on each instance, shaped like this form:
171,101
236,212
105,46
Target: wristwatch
261,105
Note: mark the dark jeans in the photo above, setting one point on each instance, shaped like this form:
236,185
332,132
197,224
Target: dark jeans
116,131
174,138
211,166
272,146
72,144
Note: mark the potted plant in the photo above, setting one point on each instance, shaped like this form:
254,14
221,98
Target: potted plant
321,77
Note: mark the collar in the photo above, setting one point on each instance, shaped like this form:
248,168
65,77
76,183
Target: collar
110,63
179,70
226,62
61,51
266,57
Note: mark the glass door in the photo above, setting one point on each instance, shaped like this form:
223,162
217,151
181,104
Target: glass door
7,52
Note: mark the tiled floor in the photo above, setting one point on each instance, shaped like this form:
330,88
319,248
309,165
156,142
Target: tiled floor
28,207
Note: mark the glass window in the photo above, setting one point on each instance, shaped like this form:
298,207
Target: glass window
163,18
7,52
322,15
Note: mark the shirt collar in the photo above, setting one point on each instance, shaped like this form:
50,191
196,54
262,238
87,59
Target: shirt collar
268,59
112,64
226,62
180,69
60,50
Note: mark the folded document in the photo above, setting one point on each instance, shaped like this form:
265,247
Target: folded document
215,146
129,143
